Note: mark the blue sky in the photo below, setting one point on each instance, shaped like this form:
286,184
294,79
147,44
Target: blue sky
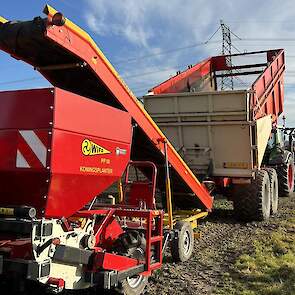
128,30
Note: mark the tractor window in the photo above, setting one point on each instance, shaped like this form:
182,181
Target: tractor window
277,138
271,141
281,139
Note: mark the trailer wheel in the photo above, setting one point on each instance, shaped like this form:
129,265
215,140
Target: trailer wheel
286,177
183,245
274,190
252,202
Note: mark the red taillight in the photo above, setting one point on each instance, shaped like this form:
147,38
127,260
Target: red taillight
56,241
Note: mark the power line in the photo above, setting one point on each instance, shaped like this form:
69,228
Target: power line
213,34
163,52
171,68
204,44
208,41
287,85
169,51
21,80
125,77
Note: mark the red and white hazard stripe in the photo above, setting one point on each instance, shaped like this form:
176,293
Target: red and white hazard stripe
31,149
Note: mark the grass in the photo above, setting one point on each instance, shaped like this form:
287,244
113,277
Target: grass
270,269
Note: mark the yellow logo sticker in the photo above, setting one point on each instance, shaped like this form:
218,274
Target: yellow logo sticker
6,211
90,148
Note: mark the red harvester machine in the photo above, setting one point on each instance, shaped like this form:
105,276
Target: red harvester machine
61,148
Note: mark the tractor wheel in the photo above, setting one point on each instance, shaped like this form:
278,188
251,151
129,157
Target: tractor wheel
286,177
134,285
252,201
183,245
274,190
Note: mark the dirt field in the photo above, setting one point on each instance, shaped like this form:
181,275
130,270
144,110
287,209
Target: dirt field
217,266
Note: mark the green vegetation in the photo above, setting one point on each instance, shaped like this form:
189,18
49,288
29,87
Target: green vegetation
270,269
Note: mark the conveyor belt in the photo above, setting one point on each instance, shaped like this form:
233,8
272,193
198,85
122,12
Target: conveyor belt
68,58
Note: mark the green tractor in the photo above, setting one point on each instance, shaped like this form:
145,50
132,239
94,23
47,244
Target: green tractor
279,155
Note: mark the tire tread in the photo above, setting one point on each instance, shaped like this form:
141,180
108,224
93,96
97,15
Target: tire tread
248,199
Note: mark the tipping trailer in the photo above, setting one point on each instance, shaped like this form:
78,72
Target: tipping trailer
230,138
61,148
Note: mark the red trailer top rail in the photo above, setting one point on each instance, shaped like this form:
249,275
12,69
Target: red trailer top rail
68,57
266,92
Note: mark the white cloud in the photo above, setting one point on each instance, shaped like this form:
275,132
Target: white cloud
122,18
148,26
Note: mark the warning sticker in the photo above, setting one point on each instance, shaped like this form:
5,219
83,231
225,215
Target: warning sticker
90,148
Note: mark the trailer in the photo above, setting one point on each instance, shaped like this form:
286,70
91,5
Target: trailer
230,137
61,148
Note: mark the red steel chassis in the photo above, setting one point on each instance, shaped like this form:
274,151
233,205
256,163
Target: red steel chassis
152,222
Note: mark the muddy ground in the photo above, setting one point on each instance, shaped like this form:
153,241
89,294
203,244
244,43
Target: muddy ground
223,240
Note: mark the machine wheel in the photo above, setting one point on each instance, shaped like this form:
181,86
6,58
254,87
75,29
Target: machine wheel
274,190
134,285
286,177
252,202
183,245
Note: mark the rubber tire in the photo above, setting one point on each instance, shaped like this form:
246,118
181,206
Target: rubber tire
124,287
177,250
252,201
285,190
274,190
